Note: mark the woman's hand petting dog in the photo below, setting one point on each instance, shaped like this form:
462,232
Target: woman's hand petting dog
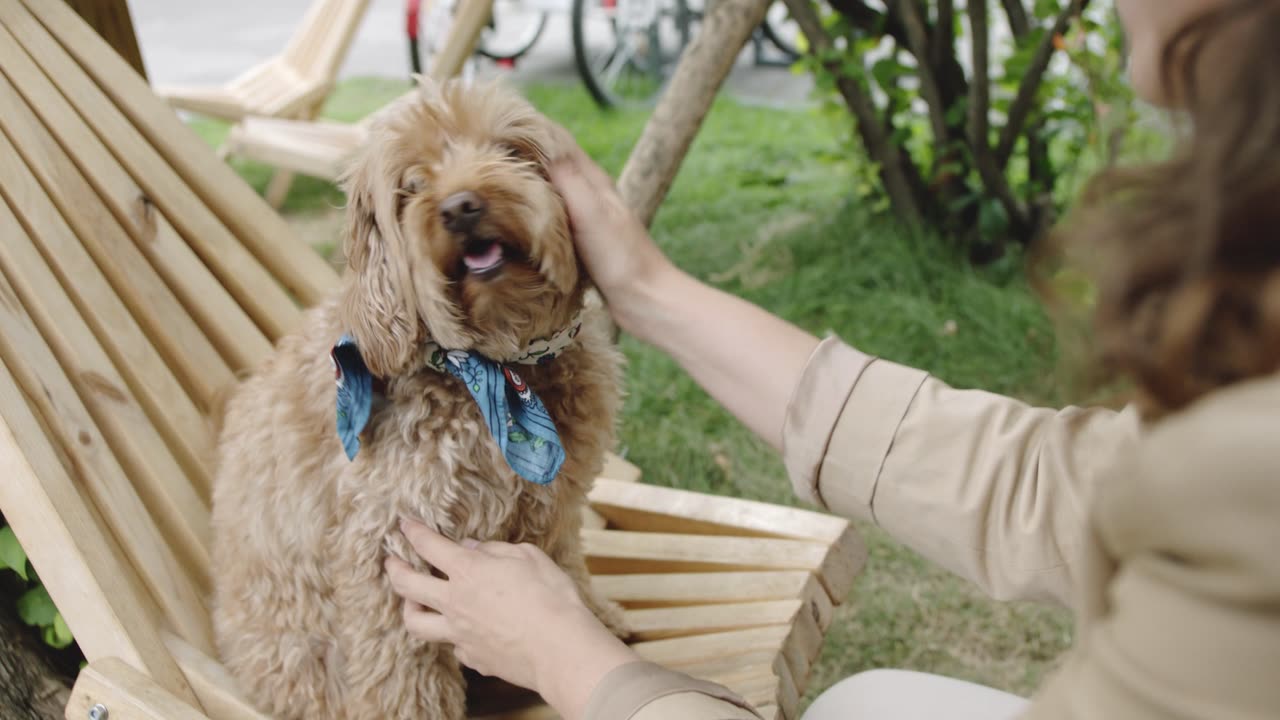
615,248
510,612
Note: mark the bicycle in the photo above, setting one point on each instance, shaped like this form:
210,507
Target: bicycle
514,28
624,50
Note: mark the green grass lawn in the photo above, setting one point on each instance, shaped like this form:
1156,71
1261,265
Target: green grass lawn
762,209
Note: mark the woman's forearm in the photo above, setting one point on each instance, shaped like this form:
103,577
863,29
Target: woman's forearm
744,357
580,653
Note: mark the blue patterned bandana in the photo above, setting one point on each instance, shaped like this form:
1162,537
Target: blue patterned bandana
516,418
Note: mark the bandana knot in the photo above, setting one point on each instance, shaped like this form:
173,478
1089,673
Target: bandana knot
516,418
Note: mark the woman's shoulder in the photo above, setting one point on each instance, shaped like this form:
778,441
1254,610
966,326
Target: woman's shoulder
1231,432
1203,484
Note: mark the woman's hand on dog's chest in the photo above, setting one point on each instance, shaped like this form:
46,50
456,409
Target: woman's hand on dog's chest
510,612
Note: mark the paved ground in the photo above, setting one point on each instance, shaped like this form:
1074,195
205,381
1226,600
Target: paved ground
190,41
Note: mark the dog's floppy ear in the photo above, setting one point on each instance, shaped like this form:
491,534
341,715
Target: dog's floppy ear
376,306
559,261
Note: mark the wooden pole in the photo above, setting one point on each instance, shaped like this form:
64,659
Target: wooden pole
704,65
111,20
468,20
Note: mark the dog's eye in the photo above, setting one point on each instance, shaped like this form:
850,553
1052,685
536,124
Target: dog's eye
519,153
412,186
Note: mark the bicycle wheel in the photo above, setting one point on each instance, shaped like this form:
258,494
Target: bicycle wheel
513,29
626,50
783,32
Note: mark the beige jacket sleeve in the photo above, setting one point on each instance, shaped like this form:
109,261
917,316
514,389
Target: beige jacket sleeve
986,486
645,691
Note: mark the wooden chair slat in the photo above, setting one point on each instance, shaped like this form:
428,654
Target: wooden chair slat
100,597
332,48
126,693
174,332
740,675
211,683
301,44
37,308
677,652
214,102
317,149
115,159
293,264
658,623
296,146
118,332
653,508
788,694
629,505
666,589
728,662
69,421
256,76
613,551
803,644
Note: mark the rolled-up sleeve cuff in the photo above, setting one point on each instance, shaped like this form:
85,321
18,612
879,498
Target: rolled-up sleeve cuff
840,425
628,689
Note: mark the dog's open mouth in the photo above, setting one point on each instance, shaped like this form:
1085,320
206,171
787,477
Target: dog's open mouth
483,257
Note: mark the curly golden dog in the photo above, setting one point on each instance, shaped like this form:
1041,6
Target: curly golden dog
456,241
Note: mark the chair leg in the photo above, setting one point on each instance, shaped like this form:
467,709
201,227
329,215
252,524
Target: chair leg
278,188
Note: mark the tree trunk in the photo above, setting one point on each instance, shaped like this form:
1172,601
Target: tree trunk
111,19
901,177
703,66
30,689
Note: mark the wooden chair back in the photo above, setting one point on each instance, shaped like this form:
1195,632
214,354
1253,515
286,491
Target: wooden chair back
138,276
321,42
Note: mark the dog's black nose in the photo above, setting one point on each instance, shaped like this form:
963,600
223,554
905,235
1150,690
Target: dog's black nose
461,211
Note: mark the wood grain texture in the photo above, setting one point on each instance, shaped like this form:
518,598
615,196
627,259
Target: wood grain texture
126,694
303,273
105,604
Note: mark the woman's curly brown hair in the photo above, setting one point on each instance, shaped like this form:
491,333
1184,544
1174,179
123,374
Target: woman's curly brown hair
1187,251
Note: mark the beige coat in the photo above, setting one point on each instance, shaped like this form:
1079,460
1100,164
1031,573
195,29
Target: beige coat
1165,539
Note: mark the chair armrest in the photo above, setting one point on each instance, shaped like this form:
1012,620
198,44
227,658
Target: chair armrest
204,100
126,693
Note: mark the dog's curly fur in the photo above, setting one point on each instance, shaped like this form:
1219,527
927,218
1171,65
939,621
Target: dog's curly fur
304,615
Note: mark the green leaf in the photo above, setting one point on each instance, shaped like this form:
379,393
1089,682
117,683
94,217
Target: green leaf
887,70
12,555
957,113
993,221
36,608
57,634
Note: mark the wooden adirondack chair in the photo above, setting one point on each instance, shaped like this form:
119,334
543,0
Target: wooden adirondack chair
293,84
138,276
320,148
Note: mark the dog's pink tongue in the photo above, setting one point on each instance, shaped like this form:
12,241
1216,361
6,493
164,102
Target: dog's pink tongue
484,260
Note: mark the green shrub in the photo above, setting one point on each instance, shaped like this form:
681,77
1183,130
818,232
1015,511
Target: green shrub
33,604
972,132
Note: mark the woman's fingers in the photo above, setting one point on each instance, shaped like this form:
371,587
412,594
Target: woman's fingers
426,624
500,549
418,587
433,547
